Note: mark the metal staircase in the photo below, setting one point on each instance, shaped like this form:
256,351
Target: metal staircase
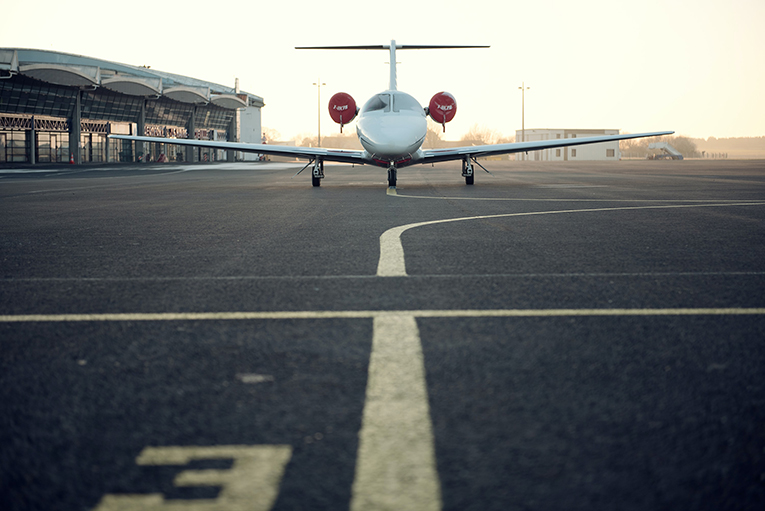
669,152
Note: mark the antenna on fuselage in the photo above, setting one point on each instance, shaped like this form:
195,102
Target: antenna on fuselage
392,47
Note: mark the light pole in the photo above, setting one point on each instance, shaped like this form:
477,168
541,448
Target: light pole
318,85
523,110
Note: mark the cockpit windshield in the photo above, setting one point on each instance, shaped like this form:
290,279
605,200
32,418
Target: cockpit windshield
403,102
378,102
398,102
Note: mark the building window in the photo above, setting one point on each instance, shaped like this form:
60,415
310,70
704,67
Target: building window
14,146
573,153
610,153
557,153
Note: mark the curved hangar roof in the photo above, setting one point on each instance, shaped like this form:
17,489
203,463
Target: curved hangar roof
79,71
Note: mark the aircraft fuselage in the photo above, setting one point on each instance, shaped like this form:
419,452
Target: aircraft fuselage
391,128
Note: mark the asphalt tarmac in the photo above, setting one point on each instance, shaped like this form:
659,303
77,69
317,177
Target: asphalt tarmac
558,336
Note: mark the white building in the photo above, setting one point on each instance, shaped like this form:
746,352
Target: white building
249,130
607,151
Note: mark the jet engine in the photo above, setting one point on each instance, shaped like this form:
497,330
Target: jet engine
442,108
342,109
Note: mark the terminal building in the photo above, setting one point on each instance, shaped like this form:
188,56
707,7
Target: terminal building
57,107
607,151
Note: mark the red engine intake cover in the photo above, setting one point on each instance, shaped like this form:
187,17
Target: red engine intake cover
342,108
443,107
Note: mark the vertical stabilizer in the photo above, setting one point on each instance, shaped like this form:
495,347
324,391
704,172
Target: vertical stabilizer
392,85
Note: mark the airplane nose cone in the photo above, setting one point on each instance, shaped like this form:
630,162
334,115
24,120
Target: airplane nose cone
392,138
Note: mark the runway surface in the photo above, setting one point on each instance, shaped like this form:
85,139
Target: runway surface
559,336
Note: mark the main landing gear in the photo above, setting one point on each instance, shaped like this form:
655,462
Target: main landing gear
318,172
467,171
392,176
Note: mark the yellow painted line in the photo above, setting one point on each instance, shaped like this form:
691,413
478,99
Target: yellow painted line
550,313
392,191
560,199
365,314
392,263
183,316
396,461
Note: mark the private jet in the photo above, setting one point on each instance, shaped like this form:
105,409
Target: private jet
391,127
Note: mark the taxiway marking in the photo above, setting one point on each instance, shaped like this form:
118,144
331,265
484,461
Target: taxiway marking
367,314
392,263
396,461
396,464
558,199
97,187
251,484
308,278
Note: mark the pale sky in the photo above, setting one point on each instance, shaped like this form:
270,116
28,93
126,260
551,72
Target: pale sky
695,67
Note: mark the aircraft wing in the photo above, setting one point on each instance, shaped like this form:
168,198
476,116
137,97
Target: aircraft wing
478,151
339,155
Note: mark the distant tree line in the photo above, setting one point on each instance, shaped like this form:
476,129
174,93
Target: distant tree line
478,134
740,147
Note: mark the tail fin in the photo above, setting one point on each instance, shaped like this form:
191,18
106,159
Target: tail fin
392,47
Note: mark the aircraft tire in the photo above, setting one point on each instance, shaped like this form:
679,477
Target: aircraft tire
316,181
469,180
392,178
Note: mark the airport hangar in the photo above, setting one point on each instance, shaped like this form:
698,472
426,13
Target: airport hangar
48,99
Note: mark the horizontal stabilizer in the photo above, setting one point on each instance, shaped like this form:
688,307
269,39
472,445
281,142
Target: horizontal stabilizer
392,47
387,47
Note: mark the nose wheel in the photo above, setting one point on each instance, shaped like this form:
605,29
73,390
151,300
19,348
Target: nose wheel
392,177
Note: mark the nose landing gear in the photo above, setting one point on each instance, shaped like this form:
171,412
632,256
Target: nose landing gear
392,176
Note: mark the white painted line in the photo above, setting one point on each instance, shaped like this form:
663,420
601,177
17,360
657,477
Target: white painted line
102,186
366,314
392,264
396,464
